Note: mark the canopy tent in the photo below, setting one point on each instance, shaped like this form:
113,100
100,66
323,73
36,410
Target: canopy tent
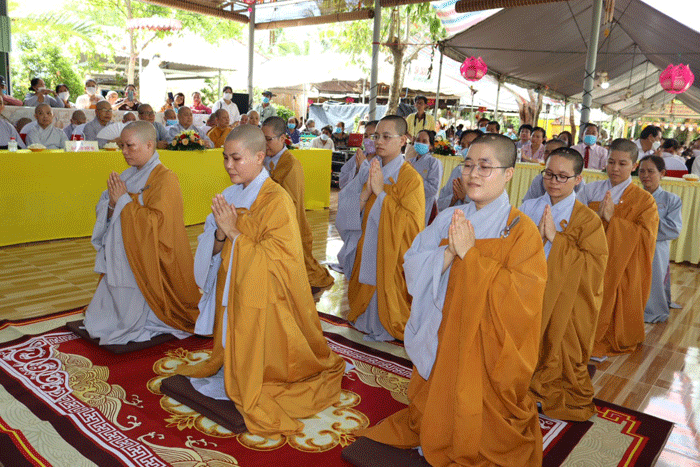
550,52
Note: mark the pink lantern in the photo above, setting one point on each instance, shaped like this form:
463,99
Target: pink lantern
676,79
349,100
473,69
431,102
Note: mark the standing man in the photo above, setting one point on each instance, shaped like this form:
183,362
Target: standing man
148,285
380,212
649,141
420,120
265,109
92,96
286,170
594,156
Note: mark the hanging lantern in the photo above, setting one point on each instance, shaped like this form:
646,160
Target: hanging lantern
431,102
676,79
473,69
249,2
349,100
310,101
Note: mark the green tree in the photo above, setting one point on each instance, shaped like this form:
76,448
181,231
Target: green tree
46,61
405,31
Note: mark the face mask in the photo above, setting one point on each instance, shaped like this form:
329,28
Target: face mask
266,100
589,140
465,151
130,95
369,147
655,145
458,148
64,95
291,126
41,89
4,91
228,96
324,137
91,90
171,122
482,129
337,130
421,148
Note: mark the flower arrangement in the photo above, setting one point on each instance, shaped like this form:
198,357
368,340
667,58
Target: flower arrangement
188,140
443,148
288,142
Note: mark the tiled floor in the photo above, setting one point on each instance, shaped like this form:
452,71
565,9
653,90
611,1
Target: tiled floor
661,378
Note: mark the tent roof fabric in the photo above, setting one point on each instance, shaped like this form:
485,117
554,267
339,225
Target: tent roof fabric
546,45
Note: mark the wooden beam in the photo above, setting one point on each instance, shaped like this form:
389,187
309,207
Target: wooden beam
190,5
393,3
465,6
335,18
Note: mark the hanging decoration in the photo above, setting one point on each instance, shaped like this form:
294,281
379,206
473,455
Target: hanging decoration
473,69
349,100
431,102
154,23
676,79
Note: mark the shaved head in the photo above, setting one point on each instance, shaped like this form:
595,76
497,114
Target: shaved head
221,112
103,105
504,148
41,106
145,131
251,136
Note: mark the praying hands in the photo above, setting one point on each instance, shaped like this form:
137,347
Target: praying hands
116,188
461,235
546,226
607,208
225,216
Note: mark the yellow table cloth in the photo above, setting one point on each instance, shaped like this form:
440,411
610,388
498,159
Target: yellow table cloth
52,194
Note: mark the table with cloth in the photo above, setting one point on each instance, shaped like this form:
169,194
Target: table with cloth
685,248
52,194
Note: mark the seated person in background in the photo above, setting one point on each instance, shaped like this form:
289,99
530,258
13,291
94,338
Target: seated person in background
594,156
63,94
380,212
420,120
170,117
454,193
147,114
577,252
128,117
311,128
209,124
179,102
270,357
185,119
429,168
129,102
293,130
534,150
77,119
254,118
340,138
365,153
651,170
537,186
219,133
510,133
168,104
197,106
669,151
631,222
38,94
112,97
494,127
226,103
92,96
243,120
7,131
9,100
112,132
103,117
566,137
483,124
524,133
145,291
44,132
286,170
325,141
477,275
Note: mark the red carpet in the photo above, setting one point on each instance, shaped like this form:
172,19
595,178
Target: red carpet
64,401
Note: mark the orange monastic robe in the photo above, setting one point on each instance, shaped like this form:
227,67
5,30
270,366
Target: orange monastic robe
631,235
572,299
475,408
289,173
402,218
277,364
158,250
218,136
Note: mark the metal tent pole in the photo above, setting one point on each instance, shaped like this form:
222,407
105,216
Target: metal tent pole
437,93
498,97
591,57
376,29
251,54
